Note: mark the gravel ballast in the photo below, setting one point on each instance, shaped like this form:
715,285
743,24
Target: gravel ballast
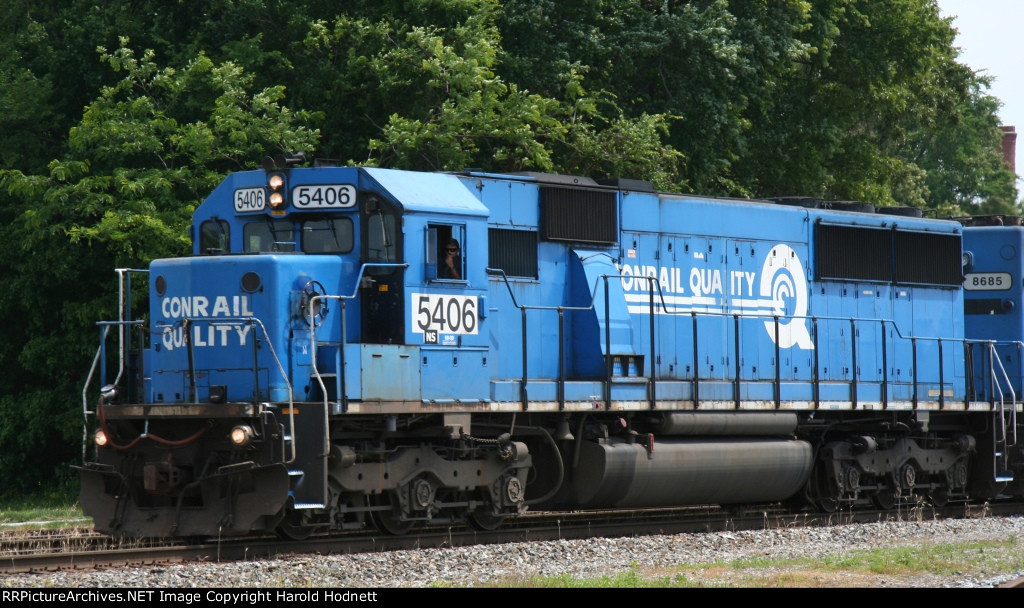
701,559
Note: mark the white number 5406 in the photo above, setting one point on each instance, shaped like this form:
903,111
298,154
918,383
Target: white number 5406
446,314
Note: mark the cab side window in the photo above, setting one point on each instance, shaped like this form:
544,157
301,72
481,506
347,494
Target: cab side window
381,237
445,259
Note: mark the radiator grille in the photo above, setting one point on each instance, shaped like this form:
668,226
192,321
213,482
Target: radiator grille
579,215
931,259
895,256
850,253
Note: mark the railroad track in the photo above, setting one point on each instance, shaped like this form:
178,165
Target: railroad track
83,549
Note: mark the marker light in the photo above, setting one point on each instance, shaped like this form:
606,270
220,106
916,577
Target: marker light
100,438
967,259
242,435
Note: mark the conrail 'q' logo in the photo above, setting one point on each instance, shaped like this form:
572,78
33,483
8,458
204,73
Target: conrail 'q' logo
784,283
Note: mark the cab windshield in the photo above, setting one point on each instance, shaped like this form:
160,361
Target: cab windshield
333,235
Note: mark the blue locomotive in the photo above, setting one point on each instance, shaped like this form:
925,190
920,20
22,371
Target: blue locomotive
351,347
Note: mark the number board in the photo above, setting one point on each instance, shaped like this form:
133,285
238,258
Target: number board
435,314
994,281
250,199
332,196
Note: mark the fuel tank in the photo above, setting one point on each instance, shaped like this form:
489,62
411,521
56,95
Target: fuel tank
679,471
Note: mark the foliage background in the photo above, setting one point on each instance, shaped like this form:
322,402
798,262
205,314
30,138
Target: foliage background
117,116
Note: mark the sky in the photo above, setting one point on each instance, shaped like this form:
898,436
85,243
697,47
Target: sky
989,34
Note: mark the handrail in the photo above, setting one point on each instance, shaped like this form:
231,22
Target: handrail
85,391
1011,438
853,342
124,302
561,328
99,360
814,320
187,322
340,380
253,320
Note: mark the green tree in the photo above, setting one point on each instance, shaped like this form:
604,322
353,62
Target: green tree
145,153
880,111
438,103
842,99
966,173
703,63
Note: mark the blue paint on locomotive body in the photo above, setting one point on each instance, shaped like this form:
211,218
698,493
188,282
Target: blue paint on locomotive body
741,313
353,345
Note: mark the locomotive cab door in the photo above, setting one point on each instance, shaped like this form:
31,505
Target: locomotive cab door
382,287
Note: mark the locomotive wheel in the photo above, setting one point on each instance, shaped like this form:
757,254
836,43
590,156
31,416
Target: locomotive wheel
828,505
885,498
387,520
821,491
483,519
939,497
291,528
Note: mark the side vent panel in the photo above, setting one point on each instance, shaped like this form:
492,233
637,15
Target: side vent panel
513,251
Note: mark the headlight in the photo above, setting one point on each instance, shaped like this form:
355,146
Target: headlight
100,438
275,182
242,435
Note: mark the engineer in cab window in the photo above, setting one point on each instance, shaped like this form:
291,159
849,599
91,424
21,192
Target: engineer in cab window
451,267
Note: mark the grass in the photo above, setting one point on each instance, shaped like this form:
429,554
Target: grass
899,566
52,509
